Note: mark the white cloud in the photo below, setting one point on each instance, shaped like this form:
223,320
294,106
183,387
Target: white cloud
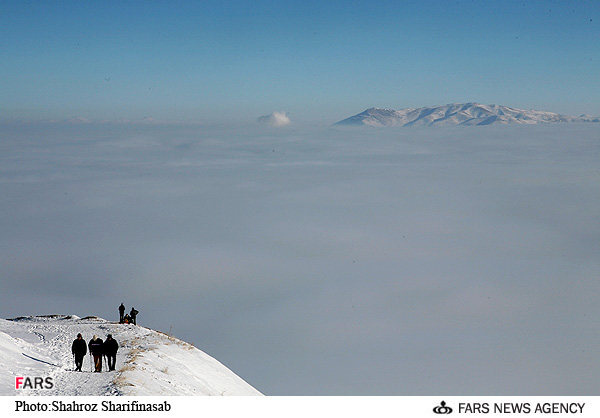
276,119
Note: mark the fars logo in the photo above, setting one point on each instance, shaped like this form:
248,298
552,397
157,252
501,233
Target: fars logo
442,409
23,382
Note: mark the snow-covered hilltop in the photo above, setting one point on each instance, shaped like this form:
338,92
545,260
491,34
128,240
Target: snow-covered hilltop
148,362
458,114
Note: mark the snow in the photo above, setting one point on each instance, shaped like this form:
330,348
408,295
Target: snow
458,114
148,362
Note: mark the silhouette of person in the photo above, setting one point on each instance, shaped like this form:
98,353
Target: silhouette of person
95,345
121,313
110,348
79,350
133,314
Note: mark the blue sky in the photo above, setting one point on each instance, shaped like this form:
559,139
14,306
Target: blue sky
318,61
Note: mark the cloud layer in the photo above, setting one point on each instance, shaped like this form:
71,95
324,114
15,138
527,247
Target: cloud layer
320,262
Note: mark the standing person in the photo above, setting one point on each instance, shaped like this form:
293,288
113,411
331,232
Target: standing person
110,350
121,313
133,314
79,350
95,346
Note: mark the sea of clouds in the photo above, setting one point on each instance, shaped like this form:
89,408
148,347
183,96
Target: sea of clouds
320,260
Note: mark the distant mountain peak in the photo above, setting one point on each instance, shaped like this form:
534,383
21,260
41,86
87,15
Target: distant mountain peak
77,120
471,113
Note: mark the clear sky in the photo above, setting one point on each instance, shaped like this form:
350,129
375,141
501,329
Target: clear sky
208,60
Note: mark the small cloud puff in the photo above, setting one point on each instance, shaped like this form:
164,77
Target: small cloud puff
275,119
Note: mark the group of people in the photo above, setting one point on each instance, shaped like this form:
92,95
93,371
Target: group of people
98,348
129,318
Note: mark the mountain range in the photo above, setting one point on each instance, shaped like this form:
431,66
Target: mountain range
458,114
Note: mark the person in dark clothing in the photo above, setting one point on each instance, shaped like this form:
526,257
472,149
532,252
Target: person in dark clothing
133,314
121,313
110,348
79,351
127,319
95,346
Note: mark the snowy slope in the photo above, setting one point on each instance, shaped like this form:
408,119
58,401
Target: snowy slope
458,114
148,362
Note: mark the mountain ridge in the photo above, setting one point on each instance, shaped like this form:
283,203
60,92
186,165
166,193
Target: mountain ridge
467,114
149,362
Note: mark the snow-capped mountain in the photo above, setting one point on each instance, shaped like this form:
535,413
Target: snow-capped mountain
148,362
458,114
77,120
